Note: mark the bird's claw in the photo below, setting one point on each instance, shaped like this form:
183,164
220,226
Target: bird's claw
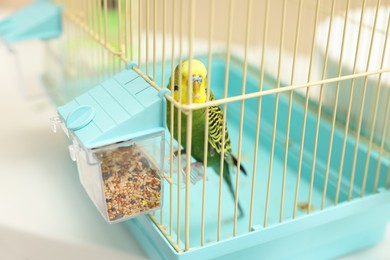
182,151
196,172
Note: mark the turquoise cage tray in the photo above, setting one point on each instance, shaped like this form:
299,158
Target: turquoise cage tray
323,234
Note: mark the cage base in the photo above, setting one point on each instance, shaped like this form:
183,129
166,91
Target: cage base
333,232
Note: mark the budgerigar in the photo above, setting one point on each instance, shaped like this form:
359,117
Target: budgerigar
215,116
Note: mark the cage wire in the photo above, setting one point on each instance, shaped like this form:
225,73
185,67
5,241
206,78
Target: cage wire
304,87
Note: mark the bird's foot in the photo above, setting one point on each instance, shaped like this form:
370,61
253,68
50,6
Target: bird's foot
196,172
182,151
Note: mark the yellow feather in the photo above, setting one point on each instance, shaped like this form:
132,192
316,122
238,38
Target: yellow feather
197,69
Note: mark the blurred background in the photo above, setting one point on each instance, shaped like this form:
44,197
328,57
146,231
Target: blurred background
44,212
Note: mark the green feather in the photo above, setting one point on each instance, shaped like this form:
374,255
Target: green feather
215,133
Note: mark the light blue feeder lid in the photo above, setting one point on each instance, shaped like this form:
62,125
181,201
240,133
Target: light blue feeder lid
39,20
80,117
121,108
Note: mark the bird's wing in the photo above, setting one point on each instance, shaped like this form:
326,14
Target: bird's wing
216,130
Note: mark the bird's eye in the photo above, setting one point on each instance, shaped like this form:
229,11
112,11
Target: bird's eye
176,88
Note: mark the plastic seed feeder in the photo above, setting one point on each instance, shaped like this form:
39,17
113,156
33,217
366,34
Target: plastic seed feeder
39,20
117,133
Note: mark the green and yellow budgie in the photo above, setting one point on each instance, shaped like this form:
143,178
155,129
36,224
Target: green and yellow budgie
215,116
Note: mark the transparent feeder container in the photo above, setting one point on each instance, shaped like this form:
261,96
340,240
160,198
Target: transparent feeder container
123,179
117,131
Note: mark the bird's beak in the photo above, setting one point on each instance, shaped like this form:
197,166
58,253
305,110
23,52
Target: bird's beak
196,81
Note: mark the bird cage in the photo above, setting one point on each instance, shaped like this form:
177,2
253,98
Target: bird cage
303,88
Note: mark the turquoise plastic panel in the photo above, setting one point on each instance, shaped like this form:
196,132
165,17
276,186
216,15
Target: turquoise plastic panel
125,107
148,95
127,101
80,117
331,234
71,106
125,76
102,119
89,134
111,107
40,20
136,85
324,234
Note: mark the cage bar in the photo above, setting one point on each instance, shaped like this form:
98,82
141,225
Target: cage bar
121,31
305,114
363,101
147,37
313,167
172,124
272,151
228,50
259,106
290,100
374,121
139,47
206,136
350,106
243,87
335,105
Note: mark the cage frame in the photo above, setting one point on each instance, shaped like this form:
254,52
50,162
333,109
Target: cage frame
84,16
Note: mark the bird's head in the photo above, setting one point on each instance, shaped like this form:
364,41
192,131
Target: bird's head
198,77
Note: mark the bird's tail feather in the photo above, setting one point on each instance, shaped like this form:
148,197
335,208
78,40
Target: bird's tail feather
241,166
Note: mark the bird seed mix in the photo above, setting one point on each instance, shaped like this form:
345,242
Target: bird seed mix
132,185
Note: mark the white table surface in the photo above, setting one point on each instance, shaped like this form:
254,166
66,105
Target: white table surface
44,211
